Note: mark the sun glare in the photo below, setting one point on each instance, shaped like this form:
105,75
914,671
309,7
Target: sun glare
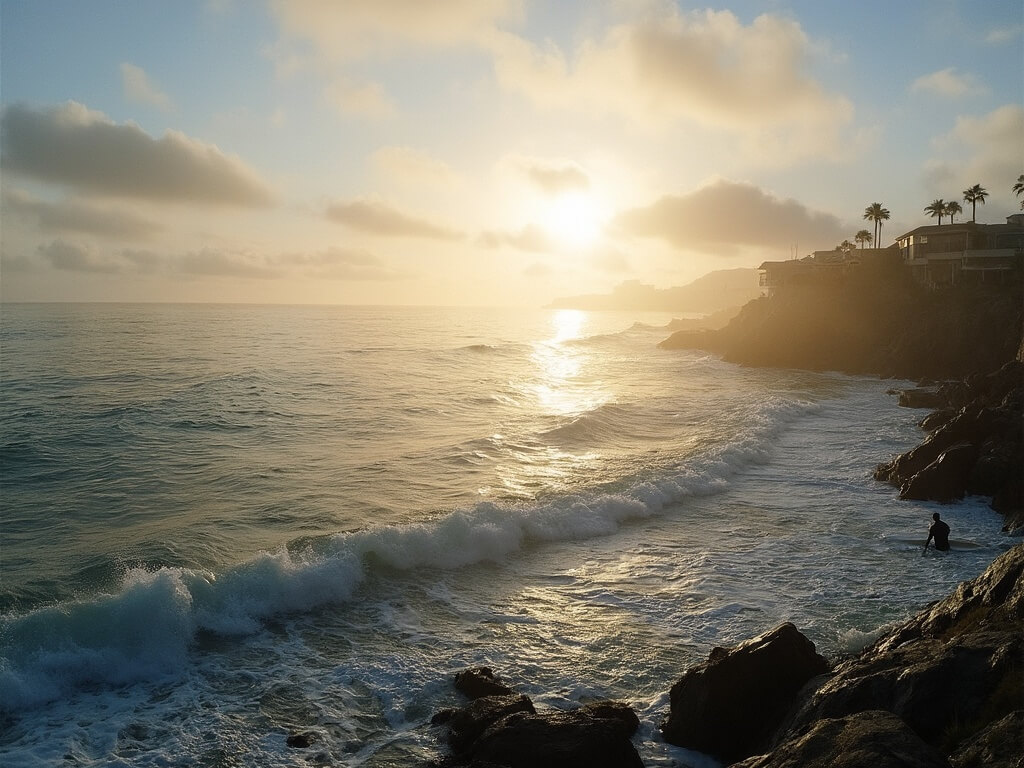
573,219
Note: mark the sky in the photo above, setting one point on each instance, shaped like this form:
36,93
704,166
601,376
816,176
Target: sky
481,152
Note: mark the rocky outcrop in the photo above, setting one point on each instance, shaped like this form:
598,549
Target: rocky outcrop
877,322
731,705
873,739
975,445
952,675
505,731
478,682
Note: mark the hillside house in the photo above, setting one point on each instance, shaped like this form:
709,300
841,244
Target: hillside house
820,268
965,252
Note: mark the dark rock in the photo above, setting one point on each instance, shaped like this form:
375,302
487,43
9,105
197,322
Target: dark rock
949,672
594,736
921,397
300,740
946,478
992,472
937,419
731,705
874,739
480,681
466,724
1000,745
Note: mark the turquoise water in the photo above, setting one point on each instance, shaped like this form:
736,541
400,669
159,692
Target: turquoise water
221,523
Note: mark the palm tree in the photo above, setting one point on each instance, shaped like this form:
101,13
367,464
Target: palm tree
846,246
876,213
975,195
1018,188
863,237
936,208
953,207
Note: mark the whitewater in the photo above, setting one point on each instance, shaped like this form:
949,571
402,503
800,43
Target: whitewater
222,525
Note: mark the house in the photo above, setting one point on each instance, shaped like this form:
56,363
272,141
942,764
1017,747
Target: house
965,252
820,268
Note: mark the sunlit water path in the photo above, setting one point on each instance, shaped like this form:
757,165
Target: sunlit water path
225,523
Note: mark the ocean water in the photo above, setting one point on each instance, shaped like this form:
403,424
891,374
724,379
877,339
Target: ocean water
225,524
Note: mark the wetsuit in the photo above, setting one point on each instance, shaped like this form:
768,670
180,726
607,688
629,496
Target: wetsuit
940,531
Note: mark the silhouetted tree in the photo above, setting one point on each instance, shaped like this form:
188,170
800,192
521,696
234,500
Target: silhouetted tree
876,213
975,195
1018,188
863,237
936,208
952,208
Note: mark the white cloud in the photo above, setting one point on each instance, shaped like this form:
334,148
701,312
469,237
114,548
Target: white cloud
408,165
83,149
945,82
1003,35
378,218
986,149
360,99
707,67
553,177
530,238
138,88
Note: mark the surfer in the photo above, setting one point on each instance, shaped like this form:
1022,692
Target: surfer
940,532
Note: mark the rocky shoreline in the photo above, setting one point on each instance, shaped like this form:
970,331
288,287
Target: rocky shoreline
944,689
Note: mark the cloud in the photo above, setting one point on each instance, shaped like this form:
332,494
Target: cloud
982,148
554,177
83,149
945,82
357,28
71,257
362,99
76,216
727,217
530,238
343,264
706,66
377,218
406,164
537,270
225,264
1003,35
137,88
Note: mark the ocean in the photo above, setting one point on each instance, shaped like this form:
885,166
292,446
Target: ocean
224,524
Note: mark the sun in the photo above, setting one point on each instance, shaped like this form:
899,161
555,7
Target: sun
572,219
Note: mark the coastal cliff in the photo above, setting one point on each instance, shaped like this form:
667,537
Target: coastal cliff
878,321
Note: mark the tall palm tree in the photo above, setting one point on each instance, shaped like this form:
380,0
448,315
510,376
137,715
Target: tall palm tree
975,195
863,237
952,208
876,213
1018,188
936,208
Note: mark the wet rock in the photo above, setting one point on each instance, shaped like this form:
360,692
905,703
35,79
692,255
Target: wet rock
594,736
937,419
1000,745
478,682
875,738
731,705
465,725
921,397
948,673
301,740
946,478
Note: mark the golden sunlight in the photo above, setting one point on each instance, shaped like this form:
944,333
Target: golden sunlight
573,219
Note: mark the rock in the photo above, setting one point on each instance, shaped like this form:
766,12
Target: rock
949,672
1000,745
946,478
465,725
936,419
480,681
921,397
300,740
594,736
731,705
874,739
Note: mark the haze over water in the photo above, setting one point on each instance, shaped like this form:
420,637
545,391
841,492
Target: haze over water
224,523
